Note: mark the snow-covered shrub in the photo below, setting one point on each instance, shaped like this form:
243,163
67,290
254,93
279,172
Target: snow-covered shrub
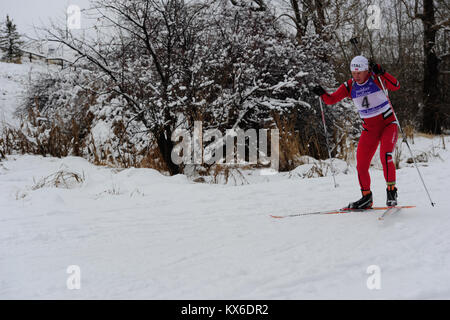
55,117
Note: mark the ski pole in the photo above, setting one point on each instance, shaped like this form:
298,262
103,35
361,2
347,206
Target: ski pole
405,140
326,140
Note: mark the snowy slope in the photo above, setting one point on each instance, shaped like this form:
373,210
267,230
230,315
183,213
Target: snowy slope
138,234
13,81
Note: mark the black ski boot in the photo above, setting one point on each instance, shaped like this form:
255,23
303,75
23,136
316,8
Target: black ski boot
391,198
364,203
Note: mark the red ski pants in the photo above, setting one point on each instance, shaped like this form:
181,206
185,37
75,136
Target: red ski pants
381,129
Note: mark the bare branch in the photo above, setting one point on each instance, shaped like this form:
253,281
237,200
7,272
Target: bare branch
261,6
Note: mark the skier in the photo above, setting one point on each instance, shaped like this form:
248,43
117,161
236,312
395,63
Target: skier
379,124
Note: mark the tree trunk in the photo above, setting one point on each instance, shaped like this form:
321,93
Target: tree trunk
298,21
165,146
432,118
319,23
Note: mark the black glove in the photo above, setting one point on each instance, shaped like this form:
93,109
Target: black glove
318,90
376,68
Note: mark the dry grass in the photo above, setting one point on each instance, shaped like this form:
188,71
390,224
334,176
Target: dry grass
152,159
60,179
292,145
409,131
35,136
425,135
225,173
397,156
347,148
289,141
317,170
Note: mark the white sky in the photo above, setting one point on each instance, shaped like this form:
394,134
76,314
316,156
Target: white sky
26,13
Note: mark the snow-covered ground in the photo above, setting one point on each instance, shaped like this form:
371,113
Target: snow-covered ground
135,233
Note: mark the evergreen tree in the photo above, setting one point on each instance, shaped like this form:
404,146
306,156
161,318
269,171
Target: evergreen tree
10,41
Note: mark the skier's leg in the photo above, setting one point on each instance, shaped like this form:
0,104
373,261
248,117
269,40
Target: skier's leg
367,145
388,141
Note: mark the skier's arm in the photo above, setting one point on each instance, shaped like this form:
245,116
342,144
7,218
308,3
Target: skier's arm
390,82
341,93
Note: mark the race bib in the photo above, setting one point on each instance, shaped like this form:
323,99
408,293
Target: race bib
369,99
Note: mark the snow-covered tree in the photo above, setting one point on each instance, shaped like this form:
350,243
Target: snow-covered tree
10,41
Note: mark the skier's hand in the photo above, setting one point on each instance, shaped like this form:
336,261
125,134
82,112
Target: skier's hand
318,90
376,68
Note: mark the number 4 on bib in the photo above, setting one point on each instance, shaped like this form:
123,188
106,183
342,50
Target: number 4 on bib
365,103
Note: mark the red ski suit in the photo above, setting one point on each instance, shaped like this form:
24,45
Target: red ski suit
379,123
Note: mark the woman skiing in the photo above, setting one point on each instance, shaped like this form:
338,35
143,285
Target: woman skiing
379,124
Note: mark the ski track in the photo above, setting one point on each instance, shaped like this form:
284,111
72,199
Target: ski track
164,237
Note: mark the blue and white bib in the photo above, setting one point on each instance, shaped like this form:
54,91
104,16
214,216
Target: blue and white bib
369,99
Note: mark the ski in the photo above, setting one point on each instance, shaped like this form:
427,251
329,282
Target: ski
308,213
339,211
389,211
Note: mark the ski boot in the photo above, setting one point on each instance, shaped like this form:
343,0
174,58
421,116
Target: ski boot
364,203
391,198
